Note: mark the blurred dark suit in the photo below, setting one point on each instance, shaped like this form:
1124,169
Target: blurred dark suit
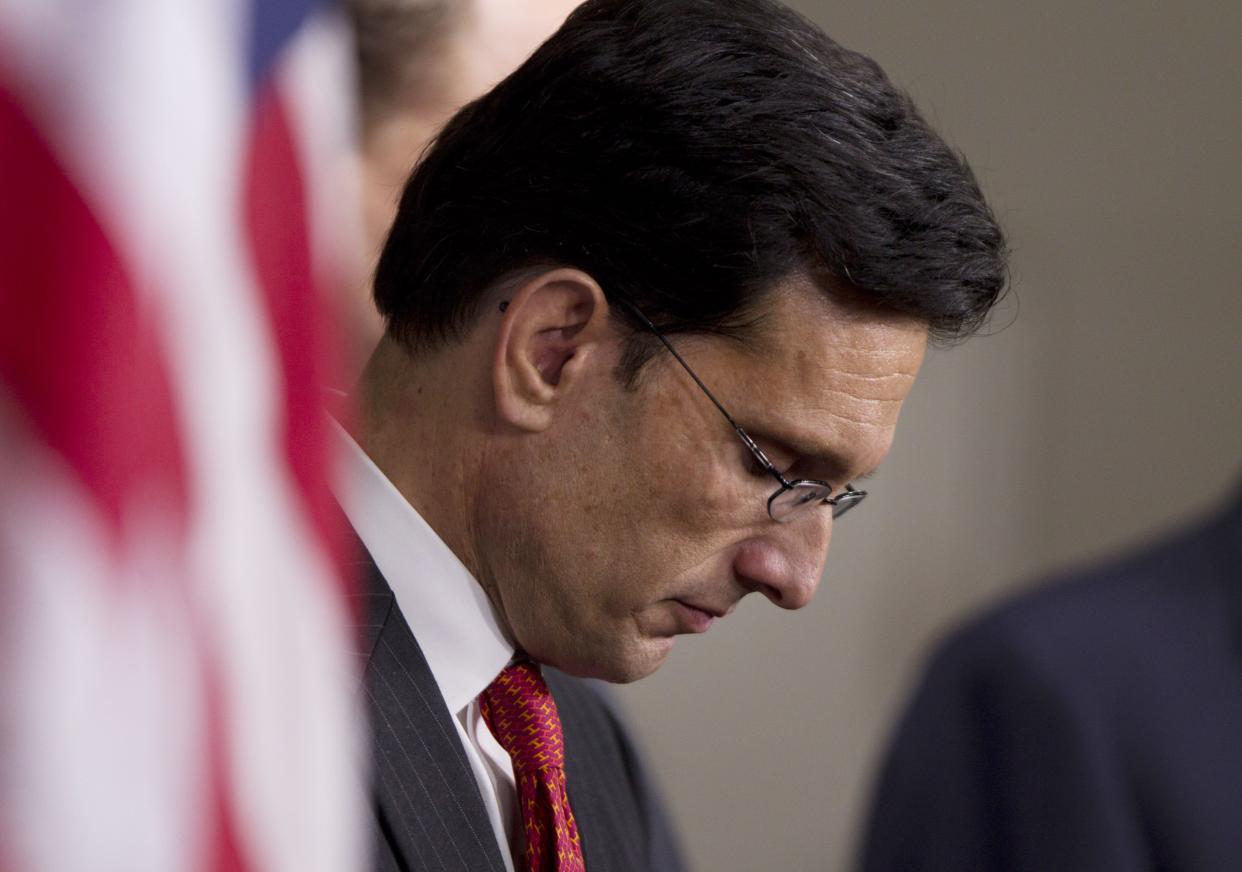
1093,724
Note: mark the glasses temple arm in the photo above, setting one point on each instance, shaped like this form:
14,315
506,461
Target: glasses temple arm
737,428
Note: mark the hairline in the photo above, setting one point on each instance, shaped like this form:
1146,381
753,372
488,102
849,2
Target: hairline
640,346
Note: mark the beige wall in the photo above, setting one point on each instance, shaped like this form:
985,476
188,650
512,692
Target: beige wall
1107,136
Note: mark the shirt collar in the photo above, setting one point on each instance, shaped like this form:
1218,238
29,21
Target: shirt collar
447,609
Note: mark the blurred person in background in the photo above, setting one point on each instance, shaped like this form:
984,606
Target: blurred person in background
419,61
651,304
1092,724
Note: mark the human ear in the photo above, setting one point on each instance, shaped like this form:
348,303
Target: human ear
552,327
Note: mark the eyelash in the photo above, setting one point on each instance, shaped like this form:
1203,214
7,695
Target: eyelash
756,469
753,466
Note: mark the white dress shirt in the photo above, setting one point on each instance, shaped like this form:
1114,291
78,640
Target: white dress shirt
450,615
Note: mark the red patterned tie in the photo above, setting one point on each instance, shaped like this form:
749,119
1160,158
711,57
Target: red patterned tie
522,716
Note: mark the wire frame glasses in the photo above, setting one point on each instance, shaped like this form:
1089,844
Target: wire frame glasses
793,495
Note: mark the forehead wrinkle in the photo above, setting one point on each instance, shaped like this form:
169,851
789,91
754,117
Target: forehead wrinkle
818,431
820,396
884,376
868,423
852,365
888,389
845,378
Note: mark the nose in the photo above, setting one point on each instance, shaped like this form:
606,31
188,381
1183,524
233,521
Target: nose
785,561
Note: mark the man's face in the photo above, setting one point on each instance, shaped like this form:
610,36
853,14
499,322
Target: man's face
639,515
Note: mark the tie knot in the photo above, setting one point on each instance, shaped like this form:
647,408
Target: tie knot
521,714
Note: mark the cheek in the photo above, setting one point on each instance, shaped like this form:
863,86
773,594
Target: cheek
647,491
679,511
684,464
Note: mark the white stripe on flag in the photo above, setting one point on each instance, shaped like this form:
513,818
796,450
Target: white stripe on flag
148,106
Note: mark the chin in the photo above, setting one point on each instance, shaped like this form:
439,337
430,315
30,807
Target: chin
625,666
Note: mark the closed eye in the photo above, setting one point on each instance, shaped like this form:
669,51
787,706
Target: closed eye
752,464
755,468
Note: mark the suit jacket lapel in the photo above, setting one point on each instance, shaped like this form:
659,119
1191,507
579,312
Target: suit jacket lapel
599,779
429,809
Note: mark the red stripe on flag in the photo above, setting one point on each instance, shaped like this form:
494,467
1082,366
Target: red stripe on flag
77,352
84,363
223,840
275,211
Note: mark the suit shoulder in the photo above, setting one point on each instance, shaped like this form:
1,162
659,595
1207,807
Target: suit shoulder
1165,605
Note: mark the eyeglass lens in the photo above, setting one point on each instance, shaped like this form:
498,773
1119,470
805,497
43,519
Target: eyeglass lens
794,498
805,493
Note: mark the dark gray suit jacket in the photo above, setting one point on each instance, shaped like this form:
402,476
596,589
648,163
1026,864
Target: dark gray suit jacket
1089,726
428,811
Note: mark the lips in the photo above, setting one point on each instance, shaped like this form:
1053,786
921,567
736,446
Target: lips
694,618
706,609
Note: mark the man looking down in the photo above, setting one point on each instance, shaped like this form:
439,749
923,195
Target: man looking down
652,304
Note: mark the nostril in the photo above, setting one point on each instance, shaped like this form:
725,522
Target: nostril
764,568
773,594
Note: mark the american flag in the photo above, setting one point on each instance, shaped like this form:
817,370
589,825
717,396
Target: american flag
175,667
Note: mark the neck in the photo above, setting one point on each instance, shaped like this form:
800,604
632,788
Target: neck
420,422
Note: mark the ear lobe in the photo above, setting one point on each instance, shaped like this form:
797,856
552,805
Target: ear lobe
551,329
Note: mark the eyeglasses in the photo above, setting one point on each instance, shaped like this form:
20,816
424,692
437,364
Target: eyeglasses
791,496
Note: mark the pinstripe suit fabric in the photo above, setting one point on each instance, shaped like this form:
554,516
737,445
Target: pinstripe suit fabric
429,814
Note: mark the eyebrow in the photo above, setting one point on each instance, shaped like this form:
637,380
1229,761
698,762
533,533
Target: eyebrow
830,459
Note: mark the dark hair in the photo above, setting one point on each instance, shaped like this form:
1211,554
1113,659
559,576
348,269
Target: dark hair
689,154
